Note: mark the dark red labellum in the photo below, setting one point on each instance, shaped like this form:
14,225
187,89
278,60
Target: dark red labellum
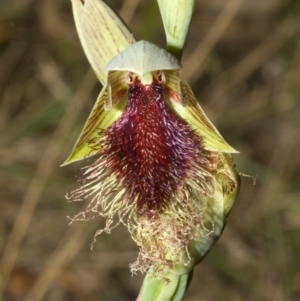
150,149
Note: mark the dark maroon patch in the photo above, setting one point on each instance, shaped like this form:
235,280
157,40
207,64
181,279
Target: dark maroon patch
150,148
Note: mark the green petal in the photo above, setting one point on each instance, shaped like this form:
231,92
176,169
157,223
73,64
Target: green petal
184,103
102,33
99,119
176,15
117,88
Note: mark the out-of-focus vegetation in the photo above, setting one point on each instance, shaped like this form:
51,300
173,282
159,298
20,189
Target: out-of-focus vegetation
243,61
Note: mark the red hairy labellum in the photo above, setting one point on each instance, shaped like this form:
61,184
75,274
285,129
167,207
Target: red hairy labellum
151,152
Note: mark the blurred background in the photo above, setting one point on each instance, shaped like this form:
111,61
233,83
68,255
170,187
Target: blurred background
242,59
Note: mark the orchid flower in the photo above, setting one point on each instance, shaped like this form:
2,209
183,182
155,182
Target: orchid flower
159,164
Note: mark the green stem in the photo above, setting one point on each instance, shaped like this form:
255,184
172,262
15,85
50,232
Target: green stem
171,288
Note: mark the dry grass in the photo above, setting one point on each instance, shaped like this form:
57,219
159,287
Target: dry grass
243,60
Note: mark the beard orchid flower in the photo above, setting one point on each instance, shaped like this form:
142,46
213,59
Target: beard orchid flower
159,165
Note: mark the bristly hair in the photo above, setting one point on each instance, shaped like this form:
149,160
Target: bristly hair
149,162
